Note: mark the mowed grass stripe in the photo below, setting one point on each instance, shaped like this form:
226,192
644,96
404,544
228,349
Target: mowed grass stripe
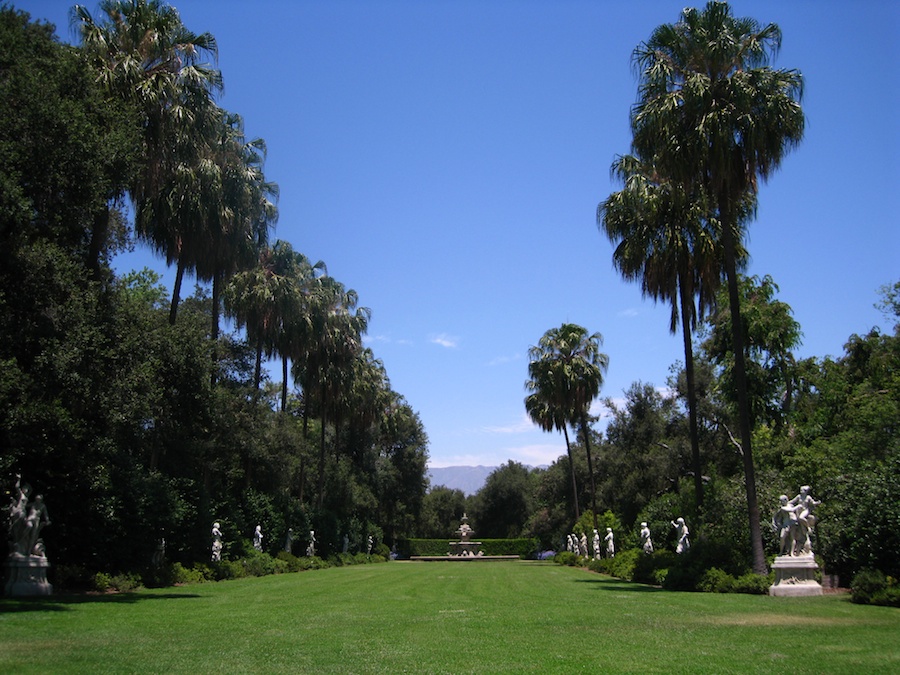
515,617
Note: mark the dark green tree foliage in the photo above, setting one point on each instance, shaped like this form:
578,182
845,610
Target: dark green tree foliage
65,149
125,421
442,512
643,454
770,335
501,508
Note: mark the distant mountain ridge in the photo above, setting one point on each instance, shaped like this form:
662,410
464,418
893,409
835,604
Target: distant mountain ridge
469,479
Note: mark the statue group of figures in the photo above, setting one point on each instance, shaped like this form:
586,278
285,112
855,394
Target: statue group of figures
576,545
607,547
26,519
579,545
794,521
218,545
26,565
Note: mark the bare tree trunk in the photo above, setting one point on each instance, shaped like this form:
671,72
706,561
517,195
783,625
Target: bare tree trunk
176,293
585,431
740,375
572,471
691,392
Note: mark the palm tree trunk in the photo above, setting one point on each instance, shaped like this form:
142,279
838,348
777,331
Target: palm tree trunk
572,471
214,326
585,431
320,496
691,391
257,371
176,293
284,380
740,376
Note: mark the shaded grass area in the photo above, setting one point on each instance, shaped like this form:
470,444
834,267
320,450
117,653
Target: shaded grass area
515,617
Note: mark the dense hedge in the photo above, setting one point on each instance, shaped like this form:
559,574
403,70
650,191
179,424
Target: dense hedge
524,548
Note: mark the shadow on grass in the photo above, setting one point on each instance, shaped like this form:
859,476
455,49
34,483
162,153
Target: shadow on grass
608,584
61,603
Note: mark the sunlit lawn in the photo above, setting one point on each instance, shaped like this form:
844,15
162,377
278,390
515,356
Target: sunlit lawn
493,617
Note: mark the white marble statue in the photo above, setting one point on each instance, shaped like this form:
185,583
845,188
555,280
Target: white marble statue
311,547
217,543
583,549
681,531
26,520
610,543
159,555
596,545
786,525
806,520
646,542
369,543
289,540
257,538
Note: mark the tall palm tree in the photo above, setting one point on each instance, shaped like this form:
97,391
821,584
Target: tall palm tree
567,367
548,416
663,241
713,114
235,208
268,296
325,365
144,54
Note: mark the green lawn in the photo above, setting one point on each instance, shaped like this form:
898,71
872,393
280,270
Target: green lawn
497,617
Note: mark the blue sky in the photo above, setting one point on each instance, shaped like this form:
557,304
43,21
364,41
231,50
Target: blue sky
445,159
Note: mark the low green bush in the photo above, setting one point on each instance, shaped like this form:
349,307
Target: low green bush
566,558
753,584
522,547
653,568
715,580
290,560
101,582
866,585
120,583
689,567
888,597
259,564
228,569
622,564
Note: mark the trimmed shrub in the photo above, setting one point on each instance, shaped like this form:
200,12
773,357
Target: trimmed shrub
290,560
715,580
653,568
101,582
754,584
867,584
690,566
523,547
566,558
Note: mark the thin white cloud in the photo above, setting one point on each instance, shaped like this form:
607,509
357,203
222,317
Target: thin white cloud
445,340
629,313
384,339
501,360
523,425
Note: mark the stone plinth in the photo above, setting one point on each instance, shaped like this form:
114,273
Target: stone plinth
795,576
26,576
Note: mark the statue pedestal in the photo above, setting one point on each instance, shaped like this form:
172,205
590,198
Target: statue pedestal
26,576
795,576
